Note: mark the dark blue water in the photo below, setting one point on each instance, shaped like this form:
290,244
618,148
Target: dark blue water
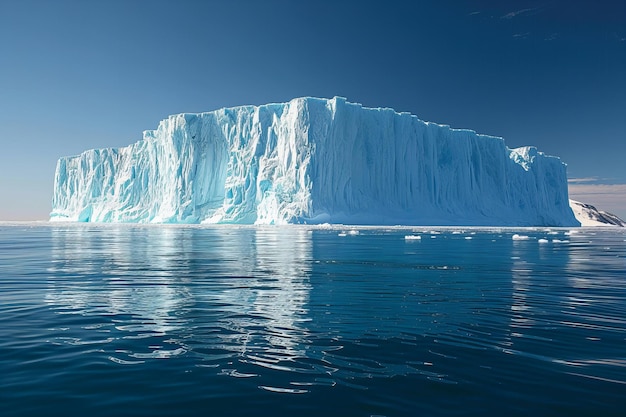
291,321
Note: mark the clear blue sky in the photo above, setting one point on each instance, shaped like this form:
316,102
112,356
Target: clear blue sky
86,74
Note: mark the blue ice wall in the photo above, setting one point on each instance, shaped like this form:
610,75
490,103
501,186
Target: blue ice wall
312,161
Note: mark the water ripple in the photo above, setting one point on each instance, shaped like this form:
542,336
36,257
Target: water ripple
207,317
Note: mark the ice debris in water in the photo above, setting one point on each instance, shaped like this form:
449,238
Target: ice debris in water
520,237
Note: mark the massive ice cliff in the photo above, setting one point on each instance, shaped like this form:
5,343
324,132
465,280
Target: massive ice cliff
312,161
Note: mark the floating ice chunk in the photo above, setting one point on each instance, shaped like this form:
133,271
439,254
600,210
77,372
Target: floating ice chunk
543,240
520,237
353,232
468,238
412,237
342,234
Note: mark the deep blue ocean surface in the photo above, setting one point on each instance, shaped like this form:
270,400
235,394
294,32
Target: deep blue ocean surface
297,321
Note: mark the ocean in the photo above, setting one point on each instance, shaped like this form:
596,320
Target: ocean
101,320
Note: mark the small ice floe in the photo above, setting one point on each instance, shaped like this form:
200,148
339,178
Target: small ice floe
520,237
543,240
468,238
342,234
456,232
353,232
412,237
559,241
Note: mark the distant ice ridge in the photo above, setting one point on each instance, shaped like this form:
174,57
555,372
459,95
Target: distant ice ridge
312,160
588,215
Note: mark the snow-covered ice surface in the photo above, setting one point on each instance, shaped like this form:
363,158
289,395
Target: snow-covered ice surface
588,215
312,161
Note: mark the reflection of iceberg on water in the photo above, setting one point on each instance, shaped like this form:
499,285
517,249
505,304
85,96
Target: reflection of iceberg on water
119,273
205,291
262,303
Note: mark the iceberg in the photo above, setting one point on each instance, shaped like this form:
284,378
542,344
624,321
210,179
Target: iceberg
313,161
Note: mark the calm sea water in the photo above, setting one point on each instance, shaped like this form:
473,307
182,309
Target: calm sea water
294,321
